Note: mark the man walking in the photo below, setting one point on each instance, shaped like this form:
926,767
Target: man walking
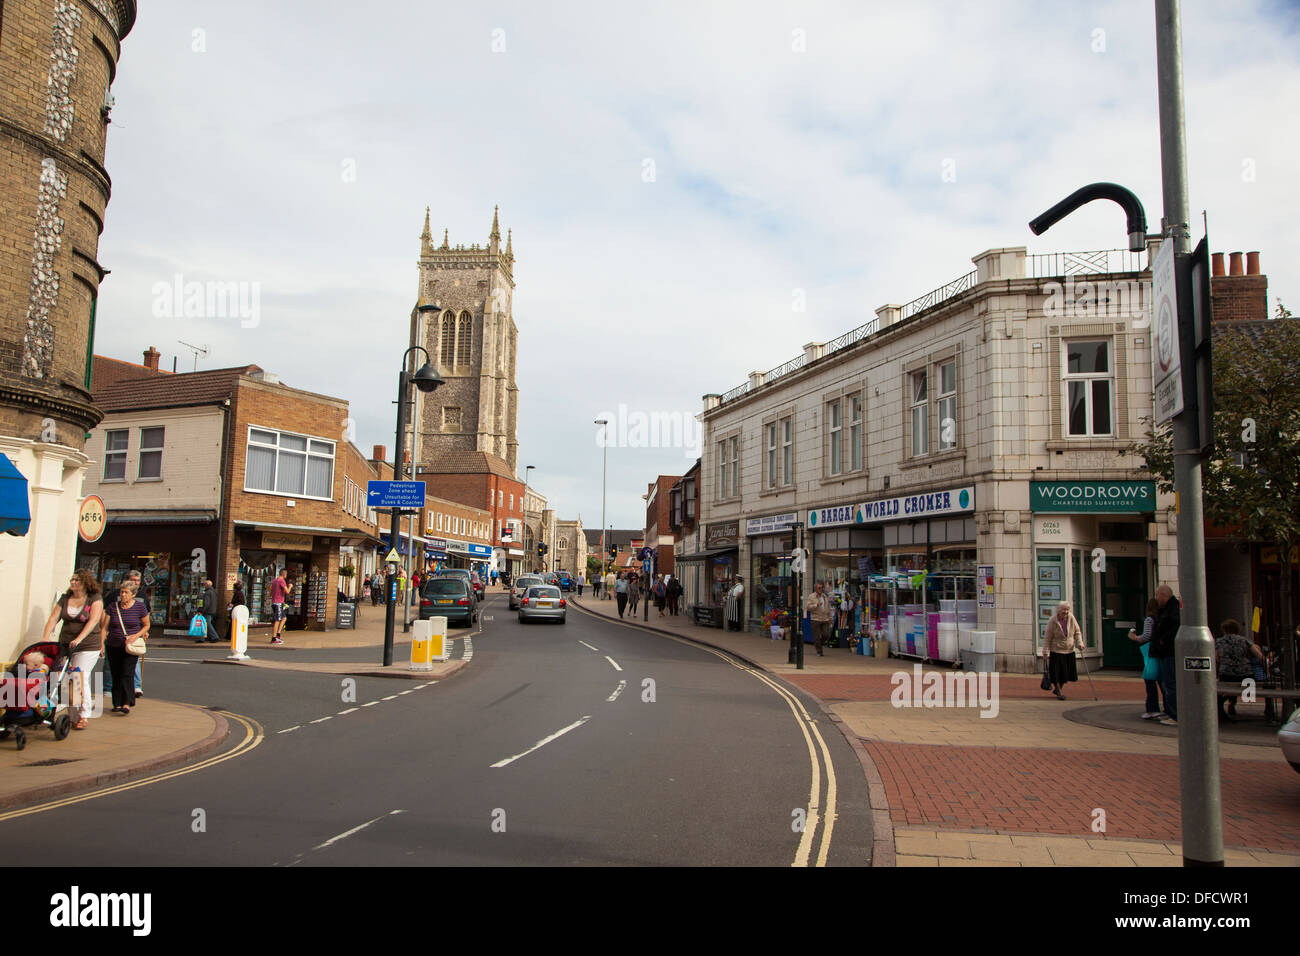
280,591
582,579
209,612
620,593
818,609
610,583
1168,620
633,593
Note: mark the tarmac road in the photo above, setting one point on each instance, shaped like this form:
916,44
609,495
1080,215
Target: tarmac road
587,743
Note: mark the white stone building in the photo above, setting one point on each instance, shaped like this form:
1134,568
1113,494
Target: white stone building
976,433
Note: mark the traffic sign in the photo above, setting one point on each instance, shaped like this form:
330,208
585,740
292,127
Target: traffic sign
395,494
1167,353
91,518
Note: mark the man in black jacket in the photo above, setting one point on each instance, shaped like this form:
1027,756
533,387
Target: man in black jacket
209,612
1168,620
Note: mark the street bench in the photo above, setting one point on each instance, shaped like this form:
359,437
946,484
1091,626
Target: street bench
1264,692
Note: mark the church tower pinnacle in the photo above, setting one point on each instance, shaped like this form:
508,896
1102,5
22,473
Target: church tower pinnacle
426,237
494,240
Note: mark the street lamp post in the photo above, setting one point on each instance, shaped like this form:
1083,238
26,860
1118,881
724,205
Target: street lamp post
426,380
604,471
527,557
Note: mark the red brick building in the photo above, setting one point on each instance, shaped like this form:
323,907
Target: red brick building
658,520
483,480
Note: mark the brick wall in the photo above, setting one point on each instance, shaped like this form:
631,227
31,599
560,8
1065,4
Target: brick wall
1239,298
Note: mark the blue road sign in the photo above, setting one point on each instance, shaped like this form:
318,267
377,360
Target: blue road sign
395,494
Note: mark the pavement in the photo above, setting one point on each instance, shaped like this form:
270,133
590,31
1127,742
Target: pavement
159,735
1036,782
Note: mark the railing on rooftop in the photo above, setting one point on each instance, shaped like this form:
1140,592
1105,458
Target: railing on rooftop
1041,266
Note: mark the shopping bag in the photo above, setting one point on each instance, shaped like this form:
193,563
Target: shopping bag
198,626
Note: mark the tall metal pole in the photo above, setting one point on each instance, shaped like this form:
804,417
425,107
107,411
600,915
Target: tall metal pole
395,529
1198,732
604,471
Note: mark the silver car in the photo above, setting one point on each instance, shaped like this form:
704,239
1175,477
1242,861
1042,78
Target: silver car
542,602
1289,738
520,586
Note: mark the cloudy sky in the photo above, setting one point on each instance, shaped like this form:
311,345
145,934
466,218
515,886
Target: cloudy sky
677,176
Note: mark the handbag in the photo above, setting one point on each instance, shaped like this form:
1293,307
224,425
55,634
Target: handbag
198,626
136,647
1046,682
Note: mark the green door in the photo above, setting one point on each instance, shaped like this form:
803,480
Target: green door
1123,604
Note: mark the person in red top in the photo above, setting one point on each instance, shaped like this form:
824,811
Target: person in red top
280,591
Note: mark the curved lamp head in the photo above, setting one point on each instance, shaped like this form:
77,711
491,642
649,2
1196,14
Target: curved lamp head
427,378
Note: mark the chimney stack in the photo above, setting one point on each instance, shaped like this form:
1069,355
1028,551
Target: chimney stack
1252,263
1242,294
378,453
151,359
1217,260
1234,264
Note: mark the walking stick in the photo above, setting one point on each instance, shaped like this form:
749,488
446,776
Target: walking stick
1089,673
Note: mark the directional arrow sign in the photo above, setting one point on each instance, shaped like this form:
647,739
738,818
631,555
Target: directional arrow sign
395,494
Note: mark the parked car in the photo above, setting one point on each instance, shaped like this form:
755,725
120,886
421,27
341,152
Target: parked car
520,585
472,577
551,578
1289,739
449,596
542,602
566,582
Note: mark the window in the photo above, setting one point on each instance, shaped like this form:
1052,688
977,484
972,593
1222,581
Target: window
564,543
463,333
787,451
448,348
512,501
690,499
501,499
115,455
920,414
855,432
151,449
770,441
439,522
289,464
835,433
948,405
1088,387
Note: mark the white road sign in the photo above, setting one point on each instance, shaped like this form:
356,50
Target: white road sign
1166,355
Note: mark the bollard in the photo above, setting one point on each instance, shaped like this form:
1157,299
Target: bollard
239,634
422,645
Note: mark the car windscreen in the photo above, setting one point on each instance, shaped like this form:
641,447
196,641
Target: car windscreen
445,586
524,583
543,592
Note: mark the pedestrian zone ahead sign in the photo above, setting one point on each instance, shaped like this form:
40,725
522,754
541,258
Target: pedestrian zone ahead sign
395,494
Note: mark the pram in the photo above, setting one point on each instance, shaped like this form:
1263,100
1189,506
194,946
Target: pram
33,700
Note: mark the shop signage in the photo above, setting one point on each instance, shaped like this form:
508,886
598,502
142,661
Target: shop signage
274,541
932,504
345,614
1092,497
1269,556
724,534
984,585
91,519
770,524
435,544
457,546
481,550
835,515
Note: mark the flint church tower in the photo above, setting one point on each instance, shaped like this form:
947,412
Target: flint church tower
471,337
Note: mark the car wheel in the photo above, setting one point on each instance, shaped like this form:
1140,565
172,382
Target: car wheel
522,619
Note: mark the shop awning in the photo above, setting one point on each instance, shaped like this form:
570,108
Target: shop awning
15,513
705,555
161,517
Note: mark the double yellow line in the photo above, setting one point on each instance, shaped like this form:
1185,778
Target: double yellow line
253,736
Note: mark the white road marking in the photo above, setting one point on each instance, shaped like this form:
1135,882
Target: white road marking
542,743
585,644
617,690
404,693
614,662
321,720
342,712
390,697
289,729
343,836
370,703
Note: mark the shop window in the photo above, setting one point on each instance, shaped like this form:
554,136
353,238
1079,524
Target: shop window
289,464
1088,388
948,405
920,414
151,449
835,435
115,443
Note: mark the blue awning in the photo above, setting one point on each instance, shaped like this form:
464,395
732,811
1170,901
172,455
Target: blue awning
15,513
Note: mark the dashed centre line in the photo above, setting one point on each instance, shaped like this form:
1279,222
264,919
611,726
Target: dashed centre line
585,644
614,662
617,690
542,743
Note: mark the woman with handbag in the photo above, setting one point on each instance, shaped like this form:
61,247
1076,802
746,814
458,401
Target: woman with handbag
1150,666
126,625
1062,636
80,610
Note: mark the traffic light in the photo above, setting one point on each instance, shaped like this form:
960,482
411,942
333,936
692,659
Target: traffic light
541,549
613,551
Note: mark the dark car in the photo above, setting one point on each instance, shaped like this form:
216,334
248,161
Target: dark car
471,577
566,582
449,596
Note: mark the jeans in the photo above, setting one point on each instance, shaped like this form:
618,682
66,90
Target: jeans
1153,696
622,603
1169,684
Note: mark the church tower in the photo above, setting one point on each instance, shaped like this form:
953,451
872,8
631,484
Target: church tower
471,337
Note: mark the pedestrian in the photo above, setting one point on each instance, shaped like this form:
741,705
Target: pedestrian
674,595
735,605
110,599
1168,620
280,591
1236,656
661,595
620,592
610,584
1150,666
1062,636
817,608
633,593
125,621
582,579
78,613
209,612
237,599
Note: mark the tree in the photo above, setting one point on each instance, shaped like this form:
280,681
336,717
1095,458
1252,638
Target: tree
593,565
1251,478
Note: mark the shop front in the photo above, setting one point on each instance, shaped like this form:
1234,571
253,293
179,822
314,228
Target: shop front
711,573
307,558
772,581
435,554
1092,547
173,556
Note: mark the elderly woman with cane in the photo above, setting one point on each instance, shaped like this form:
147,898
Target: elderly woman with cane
1062,636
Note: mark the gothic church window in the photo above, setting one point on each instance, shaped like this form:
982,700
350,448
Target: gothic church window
465,325
448,348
